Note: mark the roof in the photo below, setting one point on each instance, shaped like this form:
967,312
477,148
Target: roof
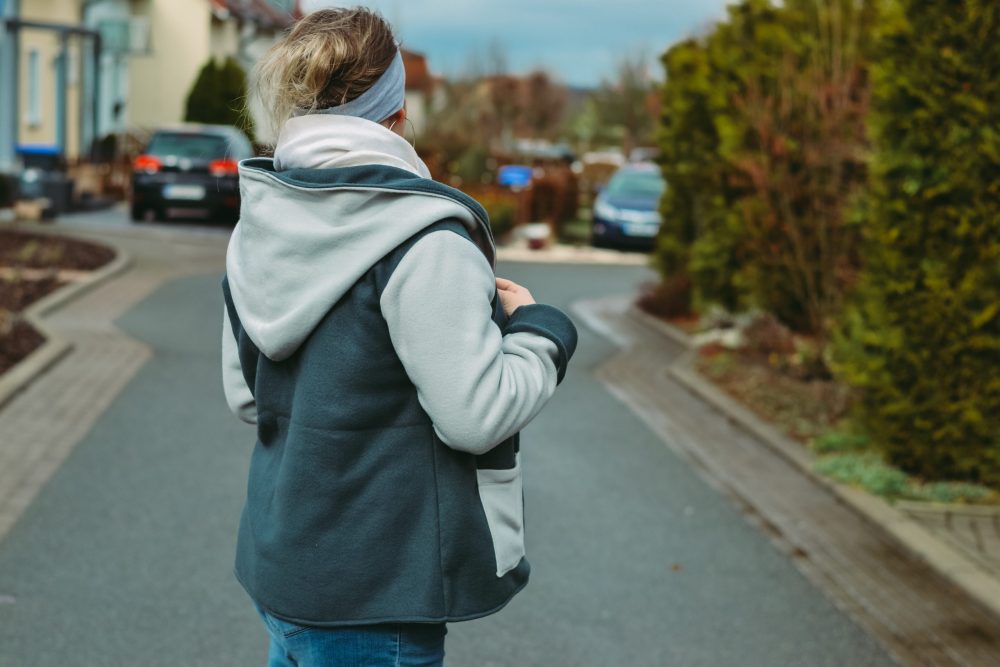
265,13
418,75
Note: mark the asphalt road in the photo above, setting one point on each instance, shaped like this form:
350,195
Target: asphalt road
125,557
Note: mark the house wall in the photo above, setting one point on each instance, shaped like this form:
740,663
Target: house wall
416,112
40,128
113,67
151,88
180,43
224,39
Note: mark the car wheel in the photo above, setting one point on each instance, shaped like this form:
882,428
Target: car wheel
228,216
146,214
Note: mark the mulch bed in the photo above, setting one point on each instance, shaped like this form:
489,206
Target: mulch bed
803,409
21,340
16,295
40,251
24,250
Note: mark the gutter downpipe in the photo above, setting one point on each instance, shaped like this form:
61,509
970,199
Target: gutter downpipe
9,88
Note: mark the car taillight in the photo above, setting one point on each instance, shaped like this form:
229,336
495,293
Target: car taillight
223,167
147,164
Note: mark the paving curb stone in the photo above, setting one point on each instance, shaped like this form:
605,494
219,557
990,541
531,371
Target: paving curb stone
911,536
19,376
561,253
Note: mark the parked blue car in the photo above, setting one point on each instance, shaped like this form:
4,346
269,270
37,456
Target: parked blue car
626,211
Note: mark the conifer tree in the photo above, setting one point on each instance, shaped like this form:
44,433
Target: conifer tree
923,342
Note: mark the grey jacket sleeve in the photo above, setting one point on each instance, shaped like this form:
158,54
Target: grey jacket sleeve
479,385
234,385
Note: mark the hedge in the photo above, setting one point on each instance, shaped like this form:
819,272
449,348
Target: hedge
923,340
217,96
763,147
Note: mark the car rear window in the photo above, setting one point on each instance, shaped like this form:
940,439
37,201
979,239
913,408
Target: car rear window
637,184
188,145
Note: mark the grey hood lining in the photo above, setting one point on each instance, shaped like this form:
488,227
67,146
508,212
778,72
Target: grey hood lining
306,236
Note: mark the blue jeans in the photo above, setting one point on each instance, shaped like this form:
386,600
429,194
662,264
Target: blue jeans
388,645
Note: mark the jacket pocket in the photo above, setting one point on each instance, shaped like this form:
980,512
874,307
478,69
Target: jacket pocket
501,493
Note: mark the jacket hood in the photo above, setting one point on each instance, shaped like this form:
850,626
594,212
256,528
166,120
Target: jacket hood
308,233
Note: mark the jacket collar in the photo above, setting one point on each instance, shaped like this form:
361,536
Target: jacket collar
318,141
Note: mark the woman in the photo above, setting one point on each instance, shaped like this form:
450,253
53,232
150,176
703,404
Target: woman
387,369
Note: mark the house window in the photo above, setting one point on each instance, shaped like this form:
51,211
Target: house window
34,115
72,66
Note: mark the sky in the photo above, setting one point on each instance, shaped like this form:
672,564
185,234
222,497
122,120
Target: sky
577,40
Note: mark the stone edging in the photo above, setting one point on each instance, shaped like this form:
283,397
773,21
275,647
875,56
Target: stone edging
19,376
569,254
945,559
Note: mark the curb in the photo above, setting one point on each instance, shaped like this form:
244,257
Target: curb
19,376
569,254
907,533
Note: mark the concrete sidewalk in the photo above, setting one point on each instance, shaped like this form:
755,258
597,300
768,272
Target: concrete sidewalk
41,423
564,253
914,611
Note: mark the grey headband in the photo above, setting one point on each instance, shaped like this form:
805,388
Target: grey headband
384,98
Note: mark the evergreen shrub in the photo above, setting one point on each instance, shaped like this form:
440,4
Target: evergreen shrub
763,147
922,341
218,96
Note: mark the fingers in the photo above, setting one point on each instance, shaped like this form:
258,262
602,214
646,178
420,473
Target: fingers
508,285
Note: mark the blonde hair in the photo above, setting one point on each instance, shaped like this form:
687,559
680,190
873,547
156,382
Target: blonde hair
327,59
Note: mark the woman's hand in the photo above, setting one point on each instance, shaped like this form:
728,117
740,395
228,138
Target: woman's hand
512,295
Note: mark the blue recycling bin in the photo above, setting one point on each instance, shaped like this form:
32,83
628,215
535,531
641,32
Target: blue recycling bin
44,176
41,156
515,175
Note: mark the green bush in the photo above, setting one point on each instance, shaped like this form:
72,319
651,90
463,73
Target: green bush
954,492
669,298
763,143
866,470
217,96
923,340
688,145
840,442
501,207
472,166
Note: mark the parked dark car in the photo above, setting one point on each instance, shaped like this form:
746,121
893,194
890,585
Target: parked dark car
626,212
190,170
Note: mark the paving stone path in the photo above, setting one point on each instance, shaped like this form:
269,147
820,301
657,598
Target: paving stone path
921,618
40,425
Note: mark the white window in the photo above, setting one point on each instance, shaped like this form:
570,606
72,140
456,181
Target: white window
34,114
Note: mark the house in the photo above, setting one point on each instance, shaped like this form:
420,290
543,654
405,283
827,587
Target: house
45,98
173,39
147,82
420,89
73,71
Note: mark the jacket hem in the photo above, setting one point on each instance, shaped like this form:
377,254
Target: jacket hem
448,618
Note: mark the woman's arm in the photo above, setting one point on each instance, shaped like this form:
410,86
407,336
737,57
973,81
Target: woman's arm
234,385
478,384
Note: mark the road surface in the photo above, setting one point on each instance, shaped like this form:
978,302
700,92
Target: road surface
125,556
